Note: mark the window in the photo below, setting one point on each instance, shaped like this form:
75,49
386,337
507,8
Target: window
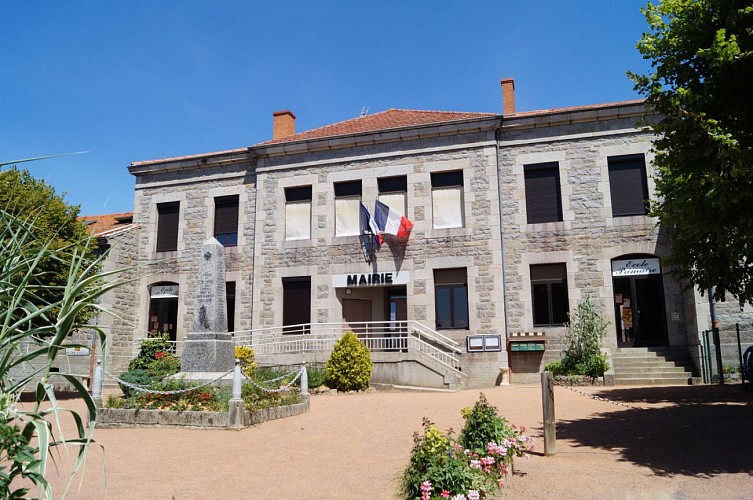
393,192
226,220
230,304
451,298
348,208
543,199
163,308
296,304
167,226
549,289
627,185
447,199
298,213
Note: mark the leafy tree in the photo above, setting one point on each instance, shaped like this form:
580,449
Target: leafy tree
701,54
51,222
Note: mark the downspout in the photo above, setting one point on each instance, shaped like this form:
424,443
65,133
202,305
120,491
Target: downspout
497,139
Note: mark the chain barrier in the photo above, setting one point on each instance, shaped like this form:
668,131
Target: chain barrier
281,389
595,397
141,388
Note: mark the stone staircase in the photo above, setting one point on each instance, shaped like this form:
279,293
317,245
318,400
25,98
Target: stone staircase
653,366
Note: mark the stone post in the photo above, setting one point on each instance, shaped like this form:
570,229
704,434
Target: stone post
304,380
235,405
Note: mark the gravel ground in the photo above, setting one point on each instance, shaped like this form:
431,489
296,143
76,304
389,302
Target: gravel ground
661,442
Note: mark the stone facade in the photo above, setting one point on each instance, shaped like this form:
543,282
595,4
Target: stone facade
492,153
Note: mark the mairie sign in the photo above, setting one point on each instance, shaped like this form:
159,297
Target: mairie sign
355,280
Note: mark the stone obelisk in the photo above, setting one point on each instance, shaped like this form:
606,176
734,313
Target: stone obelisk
209,347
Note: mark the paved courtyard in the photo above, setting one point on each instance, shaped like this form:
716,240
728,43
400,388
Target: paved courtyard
668,442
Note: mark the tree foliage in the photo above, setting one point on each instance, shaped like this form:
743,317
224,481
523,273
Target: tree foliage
51,222
701,54
349,366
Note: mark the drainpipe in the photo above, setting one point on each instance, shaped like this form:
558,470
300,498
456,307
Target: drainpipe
497,139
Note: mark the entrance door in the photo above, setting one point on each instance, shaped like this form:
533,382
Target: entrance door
357,311
397,314
639,311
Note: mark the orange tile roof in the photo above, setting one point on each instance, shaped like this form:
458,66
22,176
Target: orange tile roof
98,224
384,120
586,107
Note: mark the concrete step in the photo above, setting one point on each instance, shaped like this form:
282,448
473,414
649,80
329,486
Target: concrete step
630,370
685,380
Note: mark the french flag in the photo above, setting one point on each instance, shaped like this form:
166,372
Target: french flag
369,226
391,221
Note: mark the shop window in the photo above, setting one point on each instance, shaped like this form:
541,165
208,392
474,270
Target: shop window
296,304
348,208
168,215
451,298
549,290
627,185
543,197
298,213
393,192
447,199
230,305
226,220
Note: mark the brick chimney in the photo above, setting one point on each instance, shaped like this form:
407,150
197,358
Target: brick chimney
508,96
283,125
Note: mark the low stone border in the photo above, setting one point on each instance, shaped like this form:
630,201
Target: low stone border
109,418
578,380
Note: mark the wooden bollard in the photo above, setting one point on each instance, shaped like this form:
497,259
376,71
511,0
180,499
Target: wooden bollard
547,401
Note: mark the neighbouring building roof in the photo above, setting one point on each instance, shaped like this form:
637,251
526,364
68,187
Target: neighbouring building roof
105,224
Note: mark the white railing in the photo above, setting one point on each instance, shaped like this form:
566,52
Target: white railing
377,336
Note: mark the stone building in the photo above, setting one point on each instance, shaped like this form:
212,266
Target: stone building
468,295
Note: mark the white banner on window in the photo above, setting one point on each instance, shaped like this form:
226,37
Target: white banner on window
298,221
396,201
635,267
447,207
347,216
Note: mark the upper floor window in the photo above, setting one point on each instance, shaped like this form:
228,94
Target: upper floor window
348,208
226,220
393,192
168,216
447,199
627,185
451,298
543,198
549,290
298,213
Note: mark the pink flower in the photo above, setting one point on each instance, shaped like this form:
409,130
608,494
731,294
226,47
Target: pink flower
476,464
426,490
474,495
445,494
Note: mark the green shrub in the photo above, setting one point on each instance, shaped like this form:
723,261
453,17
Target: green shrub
349,365
148,349
585,332
483,426
555,367
247,357
164,364
140,377
316,375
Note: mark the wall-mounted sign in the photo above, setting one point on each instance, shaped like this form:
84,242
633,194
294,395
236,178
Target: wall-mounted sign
635,267
357,280
76,351
164,292
482,343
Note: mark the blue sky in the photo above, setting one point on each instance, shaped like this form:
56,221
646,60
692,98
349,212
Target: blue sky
138,80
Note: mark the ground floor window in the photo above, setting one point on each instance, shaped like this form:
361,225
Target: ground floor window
549,294
296,304
451,298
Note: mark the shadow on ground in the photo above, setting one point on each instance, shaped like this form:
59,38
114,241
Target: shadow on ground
697,430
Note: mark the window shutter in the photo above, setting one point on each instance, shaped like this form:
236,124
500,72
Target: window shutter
627,185
226,215
168,216
543,199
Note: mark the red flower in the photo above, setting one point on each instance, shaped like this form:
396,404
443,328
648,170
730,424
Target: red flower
160,355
